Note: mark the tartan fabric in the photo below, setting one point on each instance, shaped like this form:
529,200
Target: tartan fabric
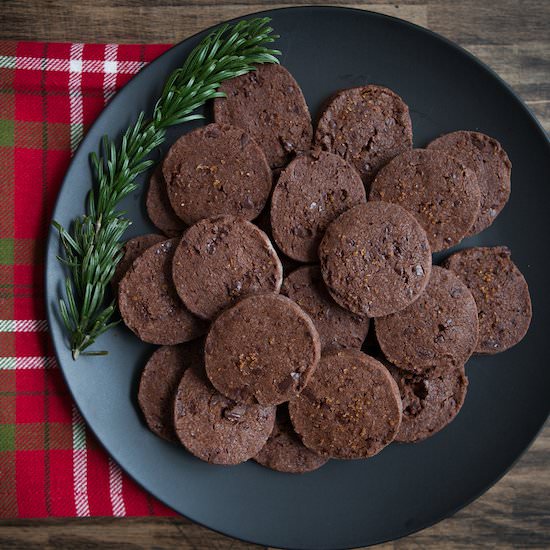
50,464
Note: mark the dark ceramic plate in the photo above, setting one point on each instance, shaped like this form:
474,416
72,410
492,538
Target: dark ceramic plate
406,487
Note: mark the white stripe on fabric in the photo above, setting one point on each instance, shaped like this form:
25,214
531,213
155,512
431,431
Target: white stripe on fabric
111,69
27,363
115,489
80,465
75,95
64,65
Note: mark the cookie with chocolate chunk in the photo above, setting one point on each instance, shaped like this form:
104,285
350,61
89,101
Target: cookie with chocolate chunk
437,189
313,190
220,260
269,105
367,126
501,294
263,350
438,331
149,304
375,259
284,450
215,428
430,401
485,156
351,407
217,169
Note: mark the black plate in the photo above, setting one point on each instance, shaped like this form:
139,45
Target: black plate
406,487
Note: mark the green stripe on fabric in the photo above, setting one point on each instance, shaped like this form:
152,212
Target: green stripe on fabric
6,251
7,325
8,363
7,437
7,62
79,435
76,133
7,133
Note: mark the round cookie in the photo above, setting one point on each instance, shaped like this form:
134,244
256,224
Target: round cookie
501,294
131,249
214,428
269,105
312,191
487,159
337,327
158,206
262,350
285,452
438,331
159,381
375,259
351,407
149,304
216,169
367,126
436,188
430,401
220,260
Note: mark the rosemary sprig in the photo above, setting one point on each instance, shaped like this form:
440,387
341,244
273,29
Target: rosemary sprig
92,246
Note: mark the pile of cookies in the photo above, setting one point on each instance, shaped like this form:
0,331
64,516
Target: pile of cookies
261,356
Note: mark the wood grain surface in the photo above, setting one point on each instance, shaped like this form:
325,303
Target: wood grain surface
512,37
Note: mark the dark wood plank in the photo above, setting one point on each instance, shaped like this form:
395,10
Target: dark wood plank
511,37
149,21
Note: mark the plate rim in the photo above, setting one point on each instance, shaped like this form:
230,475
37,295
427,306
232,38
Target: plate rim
52,237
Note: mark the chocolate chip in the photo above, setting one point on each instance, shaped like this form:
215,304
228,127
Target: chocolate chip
234,414
211,246
285,384
490,343
288,146
420,389
301,231
425,353
248,203
244,140
213,132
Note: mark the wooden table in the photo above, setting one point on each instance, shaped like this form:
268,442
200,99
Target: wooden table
513,38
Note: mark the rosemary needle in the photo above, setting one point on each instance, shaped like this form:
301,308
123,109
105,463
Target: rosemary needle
92,245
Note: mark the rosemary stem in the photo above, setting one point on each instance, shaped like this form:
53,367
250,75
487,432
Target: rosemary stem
92,245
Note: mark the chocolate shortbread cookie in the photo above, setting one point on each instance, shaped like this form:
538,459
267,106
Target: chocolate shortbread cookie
367,126
269,105
437,189
351,407
311,192
501,294
219,260
375,259
217,169
262,350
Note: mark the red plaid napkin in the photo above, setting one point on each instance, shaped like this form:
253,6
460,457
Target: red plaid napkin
50,464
